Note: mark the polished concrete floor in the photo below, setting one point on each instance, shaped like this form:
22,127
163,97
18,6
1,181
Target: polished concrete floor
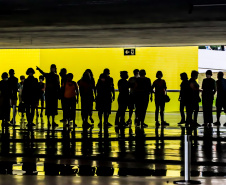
111,152
66,180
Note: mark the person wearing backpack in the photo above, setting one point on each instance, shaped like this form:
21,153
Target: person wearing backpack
71,96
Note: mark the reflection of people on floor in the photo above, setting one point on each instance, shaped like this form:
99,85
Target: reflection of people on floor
41,93
63,75
183,98
86,87
208,91
132,96
51,93
123,98
105,96
71,96
143,90
194,99
13,85
5,100
221,97
140,149
160,91
30,96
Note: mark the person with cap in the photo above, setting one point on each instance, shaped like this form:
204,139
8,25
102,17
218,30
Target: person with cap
208,91
51,93
13,85
123,98
30,96
5,95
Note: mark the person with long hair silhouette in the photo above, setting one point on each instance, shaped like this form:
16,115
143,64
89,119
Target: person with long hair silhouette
51,93
208,91
94,92
183,97
30,95
5,96
123,99
86,87
160,91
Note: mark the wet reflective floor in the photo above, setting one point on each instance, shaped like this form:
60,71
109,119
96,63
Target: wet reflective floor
112,152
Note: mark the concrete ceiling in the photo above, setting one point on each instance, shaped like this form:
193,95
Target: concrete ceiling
112,23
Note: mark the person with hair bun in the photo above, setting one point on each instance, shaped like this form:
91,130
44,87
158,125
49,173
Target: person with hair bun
30,96
208,91
5,99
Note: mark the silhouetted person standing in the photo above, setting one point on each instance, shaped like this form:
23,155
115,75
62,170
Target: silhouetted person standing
94,92
5,96
123,98
221,97
20,89
105,96
30,96
13,85
71,96
208,91
132,96
193,99
51,93
143,90
63,75
41,92
183,98
160,91
86,87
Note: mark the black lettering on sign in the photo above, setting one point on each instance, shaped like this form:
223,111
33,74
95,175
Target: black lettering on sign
129,51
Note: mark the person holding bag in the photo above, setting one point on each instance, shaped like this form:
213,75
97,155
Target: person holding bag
160,98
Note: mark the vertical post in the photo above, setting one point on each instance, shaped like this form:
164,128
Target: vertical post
187,163
187,157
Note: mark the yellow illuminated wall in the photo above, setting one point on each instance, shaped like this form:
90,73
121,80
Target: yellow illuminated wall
170,60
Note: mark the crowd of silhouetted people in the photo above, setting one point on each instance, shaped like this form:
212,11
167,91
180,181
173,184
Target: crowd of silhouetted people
134,93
